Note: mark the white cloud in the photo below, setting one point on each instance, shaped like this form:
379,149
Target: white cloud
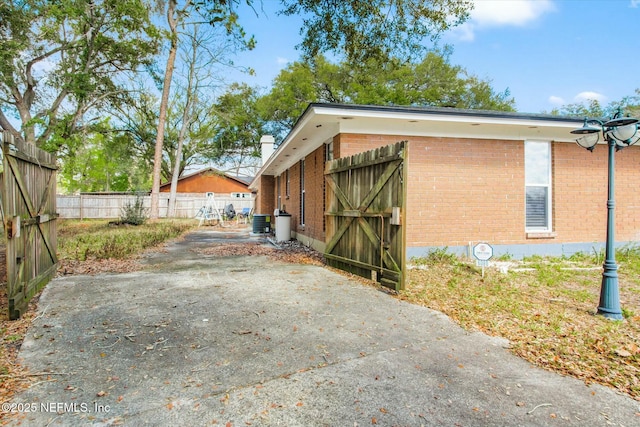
588,96
282,61
634,3
494,13
556,100
502,13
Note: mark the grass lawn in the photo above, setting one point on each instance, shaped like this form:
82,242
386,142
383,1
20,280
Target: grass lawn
97,239
546,308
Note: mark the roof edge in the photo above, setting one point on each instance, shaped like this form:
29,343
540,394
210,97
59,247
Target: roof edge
443,111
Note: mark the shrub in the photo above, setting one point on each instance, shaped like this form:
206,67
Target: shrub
134,213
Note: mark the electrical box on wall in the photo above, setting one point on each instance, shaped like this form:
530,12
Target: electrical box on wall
396,216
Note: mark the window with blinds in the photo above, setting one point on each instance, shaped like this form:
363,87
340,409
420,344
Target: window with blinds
538,185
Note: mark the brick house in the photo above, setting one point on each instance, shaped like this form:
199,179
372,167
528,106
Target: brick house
517,181
208,180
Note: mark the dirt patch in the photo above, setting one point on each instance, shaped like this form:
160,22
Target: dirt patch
98,266
13,377
292,251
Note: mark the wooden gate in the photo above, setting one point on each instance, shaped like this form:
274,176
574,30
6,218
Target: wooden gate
365,205
29,214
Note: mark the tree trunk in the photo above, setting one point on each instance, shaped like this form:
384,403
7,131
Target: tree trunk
172,19
186,122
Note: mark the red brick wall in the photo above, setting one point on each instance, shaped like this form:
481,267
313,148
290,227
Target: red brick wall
473,190
314,195
207,181
580,184
464,190
265,201
348,144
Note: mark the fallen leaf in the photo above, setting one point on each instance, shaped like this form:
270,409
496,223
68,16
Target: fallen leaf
383,410
374,421
101,393
622,352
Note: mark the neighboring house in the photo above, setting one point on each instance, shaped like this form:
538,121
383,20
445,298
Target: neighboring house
209,180
516,181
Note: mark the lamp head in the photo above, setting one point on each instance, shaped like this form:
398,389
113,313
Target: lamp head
627,134
586,129
619,120
589,135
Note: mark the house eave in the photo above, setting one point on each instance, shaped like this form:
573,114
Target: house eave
321,122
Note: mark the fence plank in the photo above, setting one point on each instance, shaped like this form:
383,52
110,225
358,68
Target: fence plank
29,215
362,192
109,206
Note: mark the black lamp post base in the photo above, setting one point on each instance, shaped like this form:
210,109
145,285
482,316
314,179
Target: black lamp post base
609,306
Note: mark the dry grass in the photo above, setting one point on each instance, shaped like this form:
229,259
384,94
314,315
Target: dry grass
546,310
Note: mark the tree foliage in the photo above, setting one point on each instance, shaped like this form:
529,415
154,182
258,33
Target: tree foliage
102,160
66,65
594,109
61,60
381,29
432,82
238,128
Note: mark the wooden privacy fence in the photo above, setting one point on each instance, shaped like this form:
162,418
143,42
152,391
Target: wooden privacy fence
109,205
365,204
29,215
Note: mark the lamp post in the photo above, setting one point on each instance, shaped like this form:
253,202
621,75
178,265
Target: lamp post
619,132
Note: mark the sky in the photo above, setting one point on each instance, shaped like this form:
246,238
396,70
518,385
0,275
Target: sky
547,53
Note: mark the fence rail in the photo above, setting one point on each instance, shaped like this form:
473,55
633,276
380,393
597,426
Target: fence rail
106,206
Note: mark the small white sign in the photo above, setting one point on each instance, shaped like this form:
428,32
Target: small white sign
483,251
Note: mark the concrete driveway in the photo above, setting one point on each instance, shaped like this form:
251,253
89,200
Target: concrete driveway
235,341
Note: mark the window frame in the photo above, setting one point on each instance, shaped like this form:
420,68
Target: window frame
278,194
548,227
287,184
302,194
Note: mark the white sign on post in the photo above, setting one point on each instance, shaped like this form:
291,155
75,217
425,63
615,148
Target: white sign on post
483,253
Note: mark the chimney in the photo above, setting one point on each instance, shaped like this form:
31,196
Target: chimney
267,142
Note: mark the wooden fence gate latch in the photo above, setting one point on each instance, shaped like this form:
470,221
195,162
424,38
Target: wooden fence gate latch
13,227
